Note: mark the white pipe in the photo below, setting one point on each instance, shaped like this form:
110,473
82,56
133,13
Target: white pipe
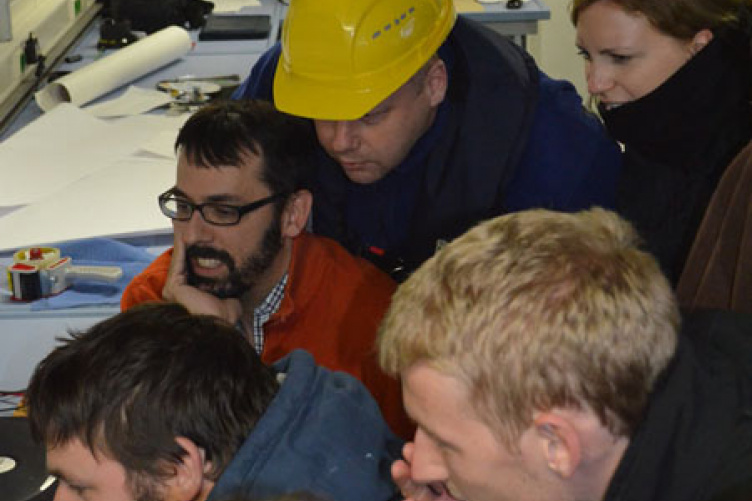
6,30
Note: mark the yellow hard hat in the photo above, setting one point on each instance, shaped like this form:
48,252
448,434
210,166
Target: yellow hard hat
341,58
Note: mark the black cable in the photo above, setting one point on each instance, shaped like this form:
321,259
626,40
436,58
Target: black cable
39,72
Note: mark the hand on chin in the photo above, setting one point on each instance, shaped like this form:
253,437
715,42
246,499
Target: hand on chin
199,302
414,490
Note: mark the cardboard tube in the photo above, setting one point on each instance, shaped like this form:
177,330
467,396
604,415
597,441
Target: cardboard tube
120,68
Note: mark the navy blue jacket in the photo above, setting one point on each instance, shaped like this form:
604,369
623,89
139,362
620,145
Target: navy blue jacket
506,138
322,433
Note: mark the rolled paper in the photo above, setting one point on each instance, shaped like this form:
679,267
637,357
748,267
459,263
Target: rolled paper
118,69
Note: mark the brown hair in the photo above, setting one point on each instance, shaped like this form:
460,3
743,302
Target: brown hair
132,383
680,19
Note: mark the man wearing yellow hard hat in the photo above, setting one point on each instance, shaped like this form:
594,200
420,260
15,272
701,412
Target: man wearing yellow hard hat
428,123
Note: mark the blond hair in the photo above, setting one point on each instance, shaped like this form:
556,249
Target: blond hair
536,310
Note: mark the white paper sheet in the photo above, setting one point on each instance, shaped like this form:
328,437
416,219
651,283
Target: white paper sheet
233,5
118,200
121,67
68,144
52,151
134,101
161,133
162,145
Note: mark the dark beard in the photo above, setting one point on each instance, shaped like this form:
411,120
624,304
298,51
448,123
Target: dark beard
239,280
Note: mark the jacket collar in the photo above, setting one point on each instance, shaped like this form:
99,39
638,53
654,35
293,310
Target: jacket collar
688,426
675,123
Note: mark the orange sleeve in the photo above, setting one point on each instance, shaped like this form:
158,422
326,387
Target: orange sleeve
386,390
147,286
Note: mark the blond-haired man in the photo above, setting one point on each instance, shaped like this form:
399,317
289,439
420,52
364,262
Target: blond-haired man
542,359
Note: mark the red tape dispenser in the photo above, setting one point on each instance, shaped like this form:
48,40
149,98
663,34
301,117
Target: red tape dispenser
40,272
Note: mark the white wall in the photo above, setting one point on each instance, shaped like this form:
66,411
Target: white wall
553,47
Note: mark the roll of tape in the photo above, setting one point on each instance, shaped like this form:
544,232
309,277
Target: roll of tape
37,256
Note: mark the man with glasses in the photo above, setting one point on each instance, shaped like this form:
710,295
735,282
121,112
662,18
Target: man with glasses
239,210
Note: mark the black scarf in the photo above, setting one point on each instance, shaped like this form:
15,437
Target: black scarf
678,119
678,141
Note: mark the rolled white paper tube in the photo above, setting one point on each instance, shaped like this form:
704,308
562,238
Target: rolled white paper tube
121,67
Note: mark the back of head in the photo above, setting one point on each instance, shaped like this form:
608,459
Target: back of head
341,58
537,310
131,384
681,19
223,133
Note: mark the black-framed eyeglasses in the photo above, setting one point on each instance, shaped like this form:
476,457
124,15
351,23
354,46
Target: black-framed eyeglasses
218,214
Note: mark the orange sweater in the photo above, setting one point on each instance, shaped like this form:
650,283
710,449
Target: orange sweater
332,308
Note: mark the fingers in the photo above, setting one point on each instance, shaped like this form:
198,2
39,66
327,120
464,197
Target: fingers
176,274
233,310
402,476
401,473
407,451
176,289
178,263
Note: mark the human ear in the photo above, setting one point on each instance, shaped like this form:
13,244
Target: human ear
295,214
189,480
700,40
437,81
560,443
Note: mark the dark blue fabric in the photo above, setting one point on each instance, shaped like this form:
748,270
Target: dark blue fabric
258,85
568,164
380,213
507,138
323,433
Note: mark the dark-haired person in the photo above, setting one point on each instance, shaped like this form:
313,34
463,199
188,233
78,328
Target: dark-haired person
239,209
157,404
